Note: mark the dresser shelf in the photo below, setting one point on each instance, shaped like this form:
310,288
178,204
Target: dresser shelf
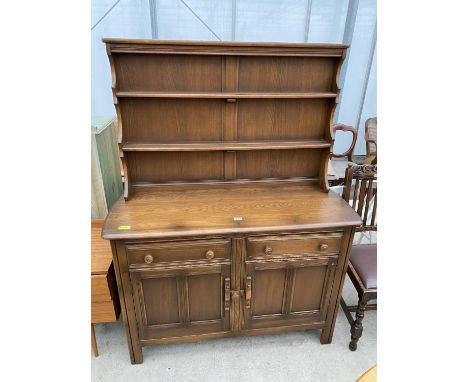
224,95
226,146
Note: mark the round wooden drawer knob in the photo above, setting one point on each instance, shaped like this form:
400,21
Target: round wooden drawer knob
268,250
149,259
209,254
323,247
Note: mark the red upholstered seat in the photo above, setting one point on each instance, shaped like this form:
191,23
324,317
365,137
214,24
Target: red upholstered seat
364,260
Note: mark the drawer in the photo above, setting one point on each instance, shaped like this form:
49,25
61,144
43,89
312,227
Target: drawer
293,245
104,312
100,288
205,251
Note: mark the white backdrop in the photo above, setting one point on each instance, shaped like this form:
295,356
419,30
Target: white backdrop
332,21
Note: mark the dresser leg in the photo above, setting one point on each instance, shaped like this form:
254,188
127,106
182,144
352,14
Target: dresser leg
126,302
136,355
93,341
326,336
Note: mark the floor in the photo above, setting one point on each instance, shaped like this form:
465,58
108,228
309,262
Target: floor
294,357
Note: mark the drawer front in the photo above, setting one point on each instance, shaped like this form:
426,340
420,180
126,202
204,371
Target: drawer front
100,289
270,247
104,312
192,251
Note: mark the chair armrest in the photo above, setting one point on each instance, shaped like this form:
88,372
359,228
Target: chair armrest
348,153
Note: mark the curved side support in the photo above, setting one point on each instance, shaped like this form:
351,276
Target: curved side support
324,160
119,121
114,91
348,153
111,60
126,179
338,71
329,132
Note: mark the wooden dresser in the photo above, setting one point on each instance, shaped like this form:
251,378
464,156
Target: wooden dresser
226,226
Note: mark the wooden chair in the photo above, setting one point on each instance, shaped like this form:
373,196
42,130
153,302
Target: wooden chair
371,140
348,153
361,189
338,174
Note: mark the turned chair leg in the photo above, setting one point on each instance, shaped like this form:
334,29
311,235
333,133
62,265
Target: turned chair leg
356,327
93,341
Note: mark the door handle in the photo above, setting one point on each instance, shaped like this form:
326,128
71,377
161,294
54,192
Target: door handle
227,293
248,291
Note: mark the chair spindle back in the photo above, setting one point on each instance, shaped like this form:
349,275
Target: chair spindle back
360,191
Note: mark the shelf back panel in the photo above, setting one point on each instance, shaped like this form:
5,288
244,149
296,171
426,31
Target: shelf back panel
160,167
277,164
171,120
277,119
287,74
154,120
154,72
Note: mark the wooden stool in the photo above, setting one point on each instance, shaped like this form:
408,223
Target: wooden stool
369,376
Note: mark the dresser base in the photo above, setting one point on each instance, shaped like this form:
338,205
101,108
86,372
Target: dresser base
245,279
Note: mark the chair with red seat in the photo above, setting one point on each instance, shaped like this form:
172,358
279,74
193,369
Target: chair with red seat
360,191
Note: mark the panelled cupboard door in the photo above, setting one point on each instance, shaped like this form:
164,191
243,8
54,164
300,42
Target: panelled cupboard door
288,292
180,301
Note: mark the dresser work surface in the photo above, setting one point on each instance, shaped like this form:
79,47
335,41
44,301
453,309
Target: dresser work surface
197,210
226,226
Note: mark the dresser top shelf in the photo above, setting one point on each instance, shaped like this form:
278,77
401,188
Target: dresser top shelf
117,40
194,210
225,95
118,45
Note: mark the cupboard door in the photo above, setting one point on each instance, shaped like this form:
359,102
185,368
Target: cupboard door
289,292
177,302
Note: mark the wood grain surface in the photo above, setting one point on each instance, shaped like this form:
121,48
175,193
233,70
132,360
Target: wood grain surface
105,306
101,252
199,96
167,211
